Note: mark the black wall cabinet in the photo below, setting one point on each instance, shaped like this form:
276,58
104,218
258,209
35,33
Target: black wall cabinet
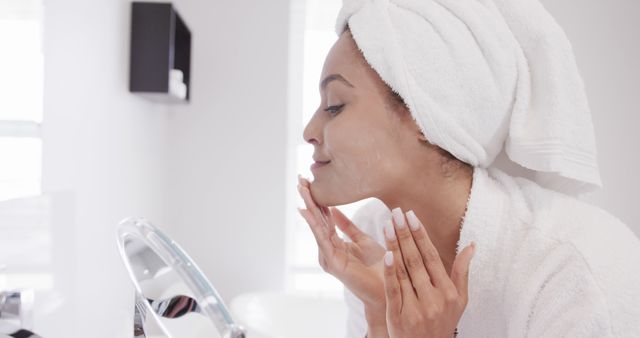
160,64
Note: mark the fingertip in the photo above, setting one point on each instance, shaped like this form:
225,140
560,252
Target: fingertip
302,212
339,214
388,259
464,257
389,231
414,222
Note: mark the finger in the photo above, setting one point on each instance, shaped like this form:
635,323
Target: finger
401,271
303,181
392,289
428,251
326,213
321,212
460,271
345,225
322,261
411,255
333,235
308,200
319,232
328,231
312,206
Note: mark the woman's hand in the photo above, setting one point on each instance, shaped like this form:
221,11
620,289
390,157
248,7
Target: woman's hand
422,300
357,264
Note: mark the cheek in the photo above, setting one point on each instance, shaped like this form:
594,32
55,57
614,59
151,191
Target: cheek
362,158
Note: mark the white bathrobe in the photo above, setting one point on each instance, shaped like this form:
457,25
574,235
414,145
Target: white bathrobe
546,265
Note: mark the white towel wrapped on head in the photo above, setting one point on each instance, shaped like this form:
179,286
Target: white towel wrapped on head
482,76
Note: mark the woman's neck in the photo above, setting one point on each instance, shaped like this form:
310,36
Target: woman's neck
440,205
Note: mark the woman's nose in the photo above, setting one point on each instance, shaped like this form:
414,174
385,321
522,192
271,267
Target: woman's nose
313,130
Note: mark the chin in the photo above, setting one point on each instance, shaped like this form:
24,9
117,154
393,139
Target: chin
321,195
325,196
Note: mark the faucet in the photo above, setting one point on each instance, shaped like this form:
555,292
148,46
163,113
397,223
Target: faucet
15,313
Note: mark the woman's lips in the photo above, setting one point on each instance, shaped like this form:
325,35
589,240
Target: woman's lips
317,165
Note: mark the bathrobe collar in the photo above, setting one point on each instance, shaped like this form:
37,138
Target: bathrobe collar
495,201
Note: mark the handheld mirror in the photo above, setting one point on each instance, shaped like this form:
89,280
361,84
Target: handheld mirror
170,287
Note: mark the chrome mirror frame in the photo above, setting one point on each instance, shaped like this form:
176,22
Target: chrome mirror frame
207,301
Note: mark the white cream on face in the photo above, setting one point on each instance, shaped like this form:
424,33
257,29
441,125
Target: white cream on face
360,139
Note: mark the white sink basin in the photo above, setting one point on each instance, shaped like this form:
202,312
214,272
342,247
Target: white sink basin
280,315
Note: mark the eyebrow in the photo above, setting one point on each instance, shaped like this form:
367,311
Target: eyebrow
333,77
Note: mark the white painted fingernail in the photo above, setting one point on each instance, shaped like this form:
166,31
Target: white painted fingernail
414,223
389,232
388,258
398,216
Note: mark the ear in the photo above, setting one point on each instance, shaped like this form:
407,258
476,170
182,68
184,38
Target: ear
419,133
421,136
409,120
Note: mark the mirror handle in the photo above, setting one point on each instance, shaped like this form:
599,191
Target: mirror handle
139,317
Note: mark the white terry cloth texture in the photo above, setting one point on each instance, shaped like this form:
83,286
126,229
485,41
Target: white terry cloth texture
547,265
484,76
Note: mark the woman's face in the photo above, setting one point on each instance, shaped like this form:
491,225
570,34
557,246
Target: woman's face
370,144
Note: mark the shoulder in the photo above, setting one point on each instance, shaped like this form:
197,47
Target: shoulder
588,228
581,255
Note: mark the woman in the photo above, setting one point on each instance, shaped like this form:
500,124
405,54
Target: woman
419,98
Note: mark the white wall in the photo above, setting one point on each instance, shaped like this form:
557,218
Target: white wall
606,40
228,147
104,146
211,173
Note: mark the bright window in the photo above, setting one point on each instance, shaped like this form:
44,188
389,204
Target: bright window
21,93
26,243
